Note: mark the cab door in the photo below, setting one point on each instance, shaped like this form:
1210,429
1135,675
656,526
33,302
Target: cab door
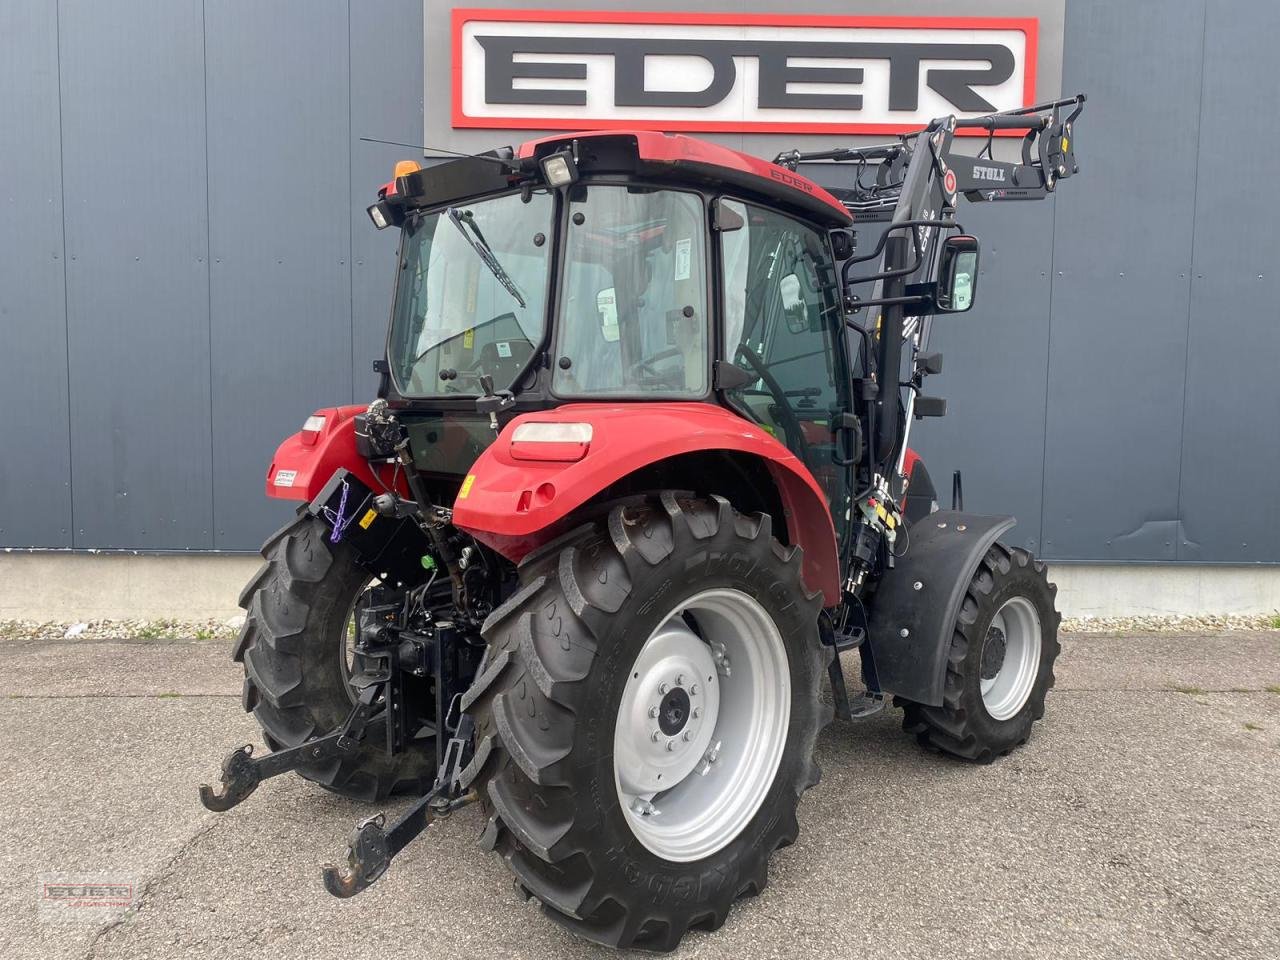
783,327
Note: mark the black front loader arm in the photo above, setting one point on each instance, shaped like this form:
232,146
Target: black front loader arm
916,187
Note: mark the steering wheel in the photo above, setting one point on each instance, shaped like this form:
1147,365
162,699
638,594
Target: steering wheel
786,416
644,373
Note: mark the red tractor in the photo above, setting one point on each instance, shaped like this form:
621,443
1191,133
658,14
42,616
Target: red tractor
637,472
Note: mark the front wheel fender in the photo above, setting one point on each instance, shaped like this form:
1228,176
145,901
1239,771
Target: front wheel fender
916,603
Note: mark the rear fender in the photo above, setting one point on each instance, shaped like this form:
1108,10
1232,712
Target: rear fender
305,462
514,505
914,610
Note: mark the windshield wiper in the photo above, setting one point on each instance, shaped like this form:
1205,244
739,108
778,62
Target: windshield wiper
484,251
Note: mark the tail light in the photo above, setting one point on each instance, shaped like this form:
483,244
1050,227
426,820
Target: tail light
312,427
560,442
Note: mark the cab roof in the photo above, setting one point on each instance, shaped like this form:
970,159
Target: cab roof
651,153
646,154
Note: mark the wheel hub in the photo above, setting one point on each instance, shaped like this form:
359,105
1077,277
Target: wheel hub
674,711
993,653
668,711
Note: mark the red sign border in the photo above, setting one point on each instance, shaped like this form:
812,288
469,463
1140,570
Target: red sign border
1028,26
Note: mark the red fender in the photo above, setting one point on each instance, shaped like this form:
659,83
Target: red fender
305,461
514,505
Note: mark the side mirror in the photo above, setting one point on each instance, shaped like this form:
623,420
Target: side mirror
843,244
957,274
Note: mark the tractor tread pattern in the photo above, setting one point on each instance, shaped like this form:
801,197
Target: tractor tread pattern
950,728
290,686
542,644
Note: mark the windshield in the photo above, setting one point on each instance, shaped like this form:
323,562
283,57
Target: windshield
471,296
633,316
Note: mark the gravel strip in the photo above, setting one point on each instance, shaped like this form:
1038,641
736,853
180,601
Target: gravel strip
228,629
121,629
1215,623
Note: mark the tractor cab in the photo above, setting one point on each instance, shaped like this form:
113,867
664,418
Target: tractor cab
615,267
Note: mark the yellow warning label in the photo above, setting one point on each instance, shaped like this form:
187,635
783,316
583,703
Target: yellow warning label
368,518
468,339
466,486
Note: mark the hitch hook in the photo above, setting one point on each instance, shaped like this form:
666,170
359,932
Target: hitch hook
368,856
240,777
373,844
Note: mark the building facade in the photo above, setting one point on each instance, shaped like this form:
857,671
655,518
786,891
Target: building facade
187,271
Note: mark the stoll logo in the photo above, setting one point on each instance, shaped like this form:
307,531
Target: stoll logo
540,69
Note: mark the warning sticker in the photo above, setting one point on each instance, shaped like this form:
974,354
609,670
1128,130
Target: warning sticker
504,349
466,486
468,339
684,257
368,518
285,478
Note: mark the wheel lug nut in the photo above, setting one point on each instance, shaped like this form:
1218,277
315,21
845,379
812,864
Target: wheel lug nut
680,680
671,744
653,711
697,712
663,688
693,690
688,735
655,736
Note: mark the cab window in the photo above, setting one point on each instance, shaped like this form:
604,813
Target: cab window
633,311
783,327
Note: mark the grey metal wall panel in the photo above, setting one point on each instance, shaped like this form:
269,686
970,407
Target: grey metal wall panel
280,234
386,104
1122,252
137,291
994,375
1160,429
1231,433
35,482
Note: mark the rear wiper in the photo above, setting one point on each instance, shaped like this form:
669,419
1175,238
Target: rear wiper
484,251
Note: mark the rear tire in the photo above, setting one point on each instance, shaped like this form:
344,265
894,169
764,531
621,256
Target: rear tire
561,654
1000,665
293,647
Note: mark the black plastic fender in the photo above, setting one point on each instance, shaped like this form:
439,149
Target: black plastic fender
913,611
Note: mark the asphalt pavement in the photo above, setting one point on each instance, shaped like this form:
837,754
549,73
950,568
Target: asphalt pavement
1142,820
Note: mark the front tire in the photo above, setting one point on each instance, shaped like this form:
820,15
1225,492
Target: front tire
1000,664
570,661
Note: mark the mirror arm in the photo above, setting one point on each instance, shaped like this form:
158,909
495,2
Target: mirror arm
915,298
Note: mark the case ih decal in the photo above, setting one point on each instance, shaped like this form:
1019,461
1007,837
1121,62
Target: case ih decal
734,72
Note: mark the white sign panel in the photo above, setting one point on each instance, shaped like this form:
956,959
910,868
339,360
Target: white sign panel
734,72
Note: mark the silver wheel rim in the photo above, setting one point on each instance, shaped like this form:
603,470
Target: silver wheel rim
1010,658
350,635
702,725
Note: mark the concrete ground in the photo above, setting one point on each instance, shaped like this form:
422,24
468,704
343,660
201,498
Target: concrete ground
1143,820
